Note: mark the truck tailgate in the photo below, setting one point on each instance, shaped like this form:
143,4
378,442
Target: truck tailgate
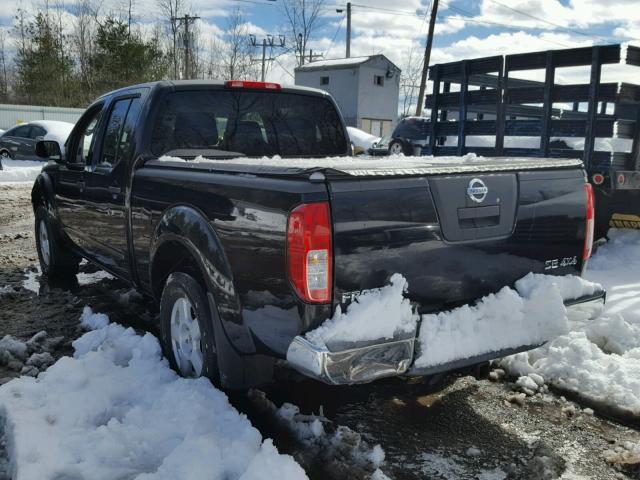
455,237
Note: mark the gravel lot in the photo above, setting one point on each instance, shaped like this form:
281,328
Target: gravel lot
466,428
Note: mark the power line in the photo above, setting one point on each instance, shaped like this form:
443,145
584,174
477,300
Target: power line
335,35
284,68
526,14
471,19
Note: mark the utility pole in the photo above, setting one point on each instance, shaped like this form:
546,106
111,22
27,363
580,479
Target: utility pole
427,57
348,29
340,10
186,21
267,41
313,56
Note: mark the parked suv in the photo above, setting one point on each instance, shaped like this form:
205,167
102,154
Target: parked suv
411,132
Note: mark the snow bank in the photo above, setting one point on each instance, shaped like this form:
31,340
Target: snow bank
116,410
20,170
378,314
532,315
599,360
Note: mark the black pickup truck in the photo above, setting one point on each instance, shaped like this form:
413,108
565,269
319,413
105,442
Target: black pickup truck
237,207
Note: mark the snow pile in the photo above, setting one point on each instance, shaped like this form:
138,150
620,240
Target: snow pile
531,314
377,314
322,439
20,170
361,139
30,357
599,360
116,410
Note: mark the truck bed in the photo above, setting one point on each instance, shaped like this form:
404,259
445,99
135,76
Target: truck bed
376,166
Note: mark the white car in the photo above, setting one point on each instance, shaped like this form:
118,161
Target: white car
19,142
361,140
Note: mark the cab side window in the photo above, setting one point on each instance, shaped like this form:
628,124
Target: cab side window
118,142
113,132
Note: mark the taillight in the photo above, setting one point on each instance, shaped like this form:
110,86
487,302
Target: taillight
588,234
309,253
598,178
253,85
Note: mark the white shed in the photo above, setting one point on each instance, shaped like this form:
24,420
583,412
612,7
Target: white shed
366,89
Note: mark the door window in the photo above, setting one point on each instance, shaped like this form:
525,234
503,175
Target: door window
21,132
37,131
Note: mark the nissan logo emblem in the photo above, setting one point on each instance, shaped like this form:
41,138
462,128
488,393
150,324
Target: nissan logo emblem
477,190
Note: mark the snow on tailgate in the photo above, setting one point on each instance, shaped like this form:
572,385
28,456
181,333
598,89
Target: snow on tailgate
531,314
116,410
378,314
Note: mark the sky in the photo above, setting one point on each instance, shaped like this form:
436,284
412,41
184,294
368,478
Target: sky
397,29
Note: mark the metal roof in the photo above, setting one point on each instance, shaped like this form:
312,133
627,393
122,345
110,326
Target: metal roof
339,63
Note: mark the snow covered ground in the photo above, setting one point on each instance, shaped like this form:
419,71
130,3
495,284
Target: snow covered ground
598,360
116,410
20,170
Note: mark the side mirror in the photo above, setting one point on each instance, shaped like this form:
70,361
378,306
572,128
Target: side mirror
49,149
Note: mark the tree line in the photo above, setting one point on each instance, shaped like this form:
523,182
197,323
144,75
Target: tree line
68,55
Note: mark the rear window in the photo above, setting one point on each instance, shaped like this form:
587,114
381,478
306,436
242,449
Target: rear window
251,123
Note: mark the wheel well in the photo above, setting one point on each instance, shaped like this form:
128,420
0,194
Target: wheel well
36,198
171,257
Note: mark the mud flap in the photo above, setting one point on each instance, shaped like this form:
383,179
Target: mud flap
237,371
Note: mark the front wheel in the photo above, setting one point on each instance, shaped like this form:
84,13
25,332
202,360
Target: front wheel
186,327
56,259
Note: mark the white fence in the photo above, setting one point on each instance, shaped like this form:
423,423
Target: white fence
11,115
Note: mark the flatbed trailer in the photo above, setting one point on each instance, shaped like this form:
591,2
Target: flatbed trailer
500,108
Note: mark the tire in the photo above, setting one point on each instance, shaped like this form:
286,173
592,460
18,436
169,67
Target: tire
4,155
56,259
183,302
396,147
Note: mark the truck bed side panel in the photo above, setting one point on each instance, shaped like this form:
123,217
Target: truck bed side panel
249,216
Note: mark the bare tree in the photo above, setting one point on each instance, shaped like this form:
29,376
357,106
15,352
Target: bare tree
231,56
171,10
410,79
84,28
303,18
4,81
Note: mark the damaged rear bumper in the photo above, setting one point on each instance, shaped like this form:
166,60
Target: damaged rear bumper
367,361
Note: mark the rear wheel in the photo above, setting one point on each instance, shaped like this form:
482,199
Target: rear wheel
186,327
56,259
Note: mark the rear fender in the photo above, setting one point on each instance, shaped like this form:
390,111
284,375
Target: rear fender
190,228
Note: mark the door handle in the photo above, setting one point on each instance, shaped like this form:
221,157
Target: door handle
115,190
